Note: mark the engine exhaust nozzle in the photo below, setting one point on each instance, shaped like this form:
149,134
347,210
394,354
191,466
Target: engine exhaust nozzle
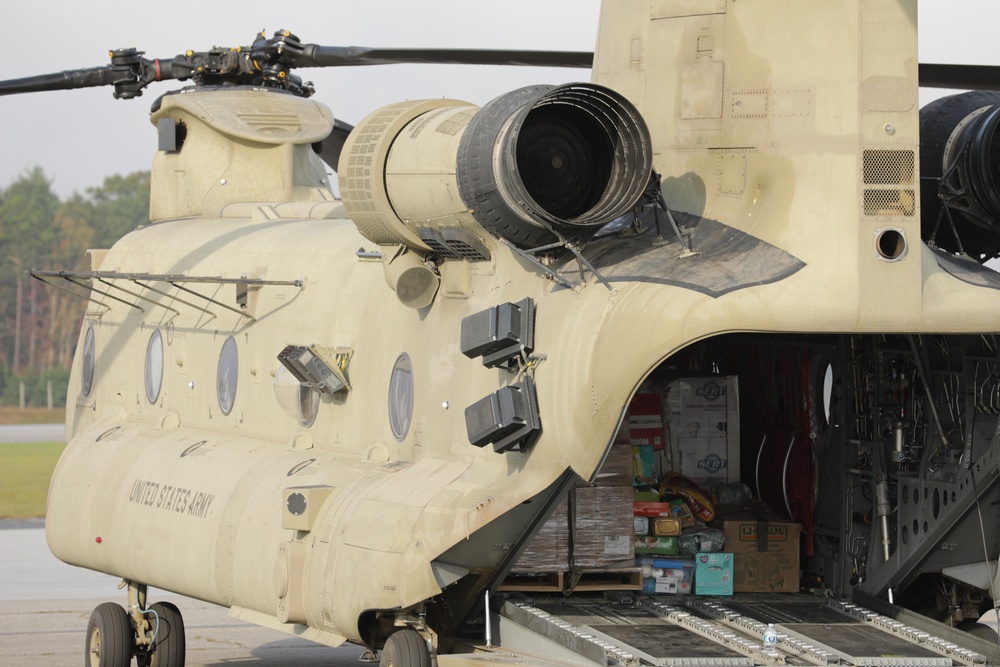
567,158
532,166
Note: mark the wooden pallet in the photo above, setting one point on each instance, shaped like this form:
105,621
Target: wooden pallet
629,579
534,582
626,579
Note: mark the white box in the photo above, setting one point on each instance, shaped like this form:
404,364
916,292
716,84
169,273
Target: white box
705,459
702,417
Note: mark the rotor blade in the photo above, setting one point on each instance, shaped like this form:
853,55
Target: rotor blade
960,77
77,78
135,77
314,55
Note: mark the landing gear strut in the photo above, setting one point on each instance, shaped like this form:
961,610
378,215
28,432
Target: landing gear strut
167,642
155,636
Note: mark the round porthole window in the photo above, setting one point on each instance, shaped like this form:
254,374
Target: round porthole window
401,397
87,367
300,401
154,366
228,375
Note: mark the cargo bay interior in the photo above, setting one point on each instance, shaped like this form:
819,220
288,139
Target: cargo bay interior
845,468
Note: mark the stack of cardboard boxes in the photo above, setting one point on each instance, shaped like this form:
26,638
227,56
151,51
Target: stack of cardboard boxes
685,426
600,513
761,555
591,529
690,425
548,551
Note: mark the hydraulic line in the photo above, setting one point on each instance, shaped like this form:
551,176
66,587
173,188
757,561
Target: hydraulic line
927,390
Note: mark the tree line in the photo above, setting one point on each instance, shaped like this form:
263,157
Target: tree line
39,325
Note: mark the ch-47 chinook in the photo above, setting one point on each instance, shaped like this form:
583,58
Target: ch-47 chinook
344,418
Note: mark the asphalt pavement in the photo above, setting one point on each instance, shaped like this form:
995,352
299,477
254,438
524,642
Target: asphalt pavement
33,433
45,605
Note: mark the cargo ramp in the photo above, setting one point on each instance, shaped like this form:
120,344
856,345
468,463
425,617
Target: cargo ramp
619,628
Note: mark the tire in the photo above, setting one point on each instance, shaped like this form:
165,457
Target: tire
169,645
980,630
405,648
110,637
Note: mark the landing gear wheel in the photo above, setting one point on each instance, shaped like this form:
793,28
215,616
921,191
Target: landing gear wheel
168,643
977,629
110,638
405,648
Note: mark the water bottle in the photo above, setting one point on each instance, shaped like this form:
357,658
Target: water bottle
770,636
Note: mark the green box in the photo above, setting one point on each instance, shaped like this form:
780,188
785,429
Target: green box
713,573
657,546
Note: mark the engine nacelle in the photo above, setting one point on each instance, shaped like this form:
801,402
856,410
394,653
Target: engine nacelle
530,166
960,173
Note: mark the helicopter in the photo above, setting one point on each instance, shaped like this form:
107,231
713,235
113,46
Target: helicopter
345,418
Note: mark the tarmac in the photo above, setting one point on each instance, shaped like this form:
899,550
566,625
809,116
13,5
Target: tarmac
33,433
45,606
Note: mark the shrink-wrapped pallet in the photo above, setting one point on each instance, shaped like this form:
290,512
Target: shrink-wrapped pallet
548,551
602,533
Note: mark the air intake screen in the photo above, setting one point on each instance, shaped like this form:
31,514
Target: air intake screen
886,168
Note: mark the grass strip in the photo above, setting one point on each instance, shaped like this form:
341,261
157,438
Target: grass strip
25,471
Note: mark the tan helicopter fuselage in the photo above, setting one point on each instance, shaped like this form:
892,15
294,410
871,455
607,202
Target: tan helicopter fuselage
765,118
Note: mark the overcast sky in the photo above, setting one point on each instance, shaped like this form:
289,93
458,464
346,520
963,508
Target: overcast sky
81,136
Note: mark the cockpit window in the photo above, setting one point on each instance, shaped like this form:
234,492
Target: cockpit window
228,375
154,366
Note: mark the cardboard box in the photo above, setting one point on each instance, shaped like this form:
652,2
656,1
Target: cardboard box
699,412
657,546
645,420
713,573
765,553
548,550
704,459
644,468
602,526
651,509
709,393
617,468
